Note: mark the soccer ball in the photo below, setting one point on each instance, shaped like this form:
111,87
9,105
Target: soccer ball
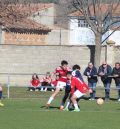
100,101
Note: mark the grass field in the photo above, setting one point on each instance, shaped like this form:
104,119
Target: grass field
26,110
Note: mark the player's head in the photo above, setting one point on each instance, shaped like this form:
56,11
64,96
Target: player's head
64,64
90,64
69,75
117,65
76,67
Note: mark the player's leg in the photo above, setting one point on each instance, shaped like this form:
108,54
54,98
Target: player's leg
60,85
66,95
1,104
57,90
77,94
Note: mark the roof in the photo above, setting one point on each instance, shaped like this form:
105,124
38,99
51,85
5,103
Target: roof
16,16
103,7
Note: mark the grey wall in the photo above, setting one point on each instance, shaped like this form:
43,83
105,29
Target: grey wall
40,59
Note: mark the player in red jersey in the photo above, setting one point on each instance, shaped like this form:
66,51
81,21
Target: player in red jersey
62,71
78,89
34,83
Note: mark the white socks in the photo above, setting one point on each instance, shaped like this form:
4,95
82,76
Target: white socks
67,105
76,106
50,100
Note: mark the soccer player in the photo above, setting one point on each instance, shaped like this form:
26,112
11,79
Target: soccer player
75,73
1,104
78,89
62,71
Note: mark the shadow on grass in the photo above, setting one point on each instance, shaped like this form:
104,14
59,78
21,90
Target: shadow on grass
51,107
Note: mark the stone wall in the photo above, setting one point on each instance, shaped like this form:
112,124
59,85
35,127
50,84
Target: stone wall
40,59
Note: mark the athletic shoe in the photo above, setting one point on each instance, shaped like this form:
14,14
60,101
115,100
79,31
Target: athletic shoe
61,107
1,104
47,105
66,109
76,110
118,100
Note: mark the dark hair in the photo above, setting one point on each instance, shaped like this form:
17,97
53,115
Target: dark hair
76,67
69,73
64,62
117,63
36,76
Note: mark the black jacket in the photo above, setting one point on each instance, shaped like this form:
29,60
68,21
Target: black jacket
92,73
105,78
117,79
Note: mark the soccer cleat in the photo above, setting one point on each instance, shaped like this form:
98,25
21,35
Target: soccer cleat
47,105
66,109
76,110
118,100
1,104
61,107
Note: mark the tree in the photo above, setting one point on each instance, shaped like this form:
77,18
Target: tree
103,13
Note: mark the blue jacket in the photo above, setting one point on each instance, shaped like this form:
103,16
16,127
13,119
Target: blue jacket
92,78
105,78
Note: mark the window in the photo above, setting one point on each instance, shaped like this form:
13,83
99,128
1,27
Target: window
82,23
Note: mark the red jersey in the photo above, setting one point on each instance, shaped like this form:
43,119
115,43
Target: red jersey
62,72
35,82
77,84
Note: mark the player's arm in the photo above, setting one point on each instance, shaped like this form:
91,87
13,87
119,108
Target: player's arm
87,88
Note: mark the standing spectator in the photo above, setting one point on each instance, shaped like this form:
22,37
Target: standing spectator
104,72
46,81
34,83
1,104
91,73
116,74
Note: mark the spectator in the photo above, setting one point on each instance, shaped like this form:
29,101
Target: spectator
116,74
34,83
54,82
1,104
46,81
104,72
91,73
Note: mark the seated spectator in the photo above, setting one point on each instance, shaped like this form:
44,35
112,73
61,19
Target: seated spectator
46,81
54,82
34,83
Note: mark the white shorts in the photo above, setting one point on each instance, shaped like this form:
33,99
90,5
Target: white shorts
61,85
78,94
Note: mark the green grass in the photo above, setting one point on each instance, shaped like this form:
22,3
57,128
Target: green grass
25,110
